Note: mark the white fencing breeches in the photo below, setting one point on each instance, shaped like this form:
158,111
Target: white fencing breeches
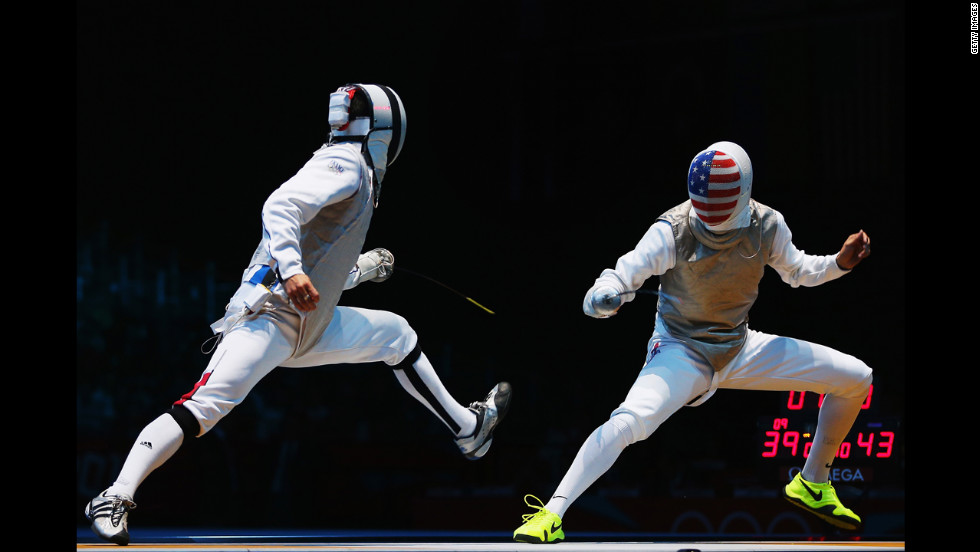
674,375
256,346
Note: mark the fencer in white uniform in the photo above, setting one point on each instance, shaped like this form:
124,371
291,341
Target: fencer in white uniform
710,253
285,312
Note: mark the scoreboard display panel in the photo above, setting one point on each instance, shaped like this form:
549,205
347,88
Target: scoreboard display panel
785,437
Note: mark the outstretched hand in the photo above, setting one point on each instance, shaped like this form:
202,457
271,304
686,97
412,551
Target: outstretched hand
301,292
856,247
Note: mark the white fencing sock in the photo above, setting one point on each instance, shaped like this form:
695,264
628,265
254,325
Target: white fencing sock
419,378
158,441
597,454
834,421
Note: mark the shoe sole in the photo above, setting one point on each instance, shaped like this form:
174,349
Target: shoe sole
530,539
502,389
841,523
478,453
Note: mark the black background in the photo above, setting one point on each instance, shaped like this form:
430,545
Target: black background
542,141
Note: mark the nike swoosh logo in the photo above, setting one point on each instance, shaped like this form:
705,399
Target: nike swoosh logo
817,495
554,527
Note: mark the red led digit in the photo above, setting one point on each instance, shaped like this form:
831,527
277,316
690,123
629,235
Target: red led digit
806,449
845,450
887,438
866,444
771,444
794,404
791,440
780,423
867,401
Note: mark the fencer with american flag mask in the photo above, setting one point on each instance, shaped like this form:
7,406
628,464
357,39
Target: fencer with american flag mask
710,253
286,313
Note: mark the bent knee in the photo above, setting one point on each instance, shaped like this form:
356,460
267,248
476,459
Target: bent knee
198,415
400,340
858,381
186,420
395,322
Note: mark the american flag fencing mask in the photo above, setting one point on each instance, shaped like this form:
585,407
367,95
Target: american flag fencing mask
719,183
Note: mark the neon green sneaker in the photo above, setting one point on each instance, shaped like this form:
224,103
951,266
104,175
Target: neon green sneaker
541,527
821,500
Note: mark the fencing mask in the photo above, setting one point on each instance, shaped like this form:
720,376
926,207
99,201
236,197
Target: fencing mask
374,116
719,183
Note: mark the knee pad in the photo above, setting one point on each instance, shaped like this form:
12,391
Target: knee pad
628,426
186,420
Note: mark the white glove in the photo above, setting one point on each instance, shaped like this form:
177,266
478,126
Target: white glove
602,302
374,266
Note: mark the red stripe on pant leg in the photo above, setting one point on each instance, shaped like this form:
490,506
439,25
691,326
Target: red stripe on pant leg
189,394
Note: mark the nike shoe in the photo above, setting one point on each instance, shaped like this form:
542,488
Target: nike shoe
489,413
541,527
108,515
821,500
